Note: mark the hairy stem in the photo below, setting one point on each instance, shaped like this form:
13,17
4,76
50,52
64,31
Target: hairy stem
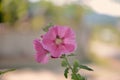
70,67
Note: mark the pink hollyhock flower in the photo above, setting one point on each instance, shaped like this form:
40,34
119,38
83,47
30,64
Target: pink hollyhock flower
59,40
41,53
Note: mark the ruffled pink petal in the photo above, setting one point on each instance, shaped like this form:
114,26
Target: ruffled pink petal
70,34
65,33
42,57
57,52
51,34
69,41
49,45
49,40
61,31
37,45
69,48
41,53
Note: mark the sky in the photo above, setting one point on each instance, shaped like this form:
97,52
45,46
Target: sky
106,7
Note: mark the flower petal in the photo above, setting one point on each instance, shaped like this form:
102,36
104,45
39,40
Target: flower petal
57,52
66,47
37,45
41,57
69,41
69,48
51,34
70,34
61,31
41,53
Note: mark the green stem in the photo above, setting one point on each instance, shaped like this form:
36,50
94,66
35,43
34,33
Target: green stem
2,72
70,67
68,63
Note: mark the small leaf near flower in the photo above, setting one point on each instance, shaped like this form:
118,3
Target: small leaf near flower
80,77
66,72
74,77
47,27
76,66
64,63
85,67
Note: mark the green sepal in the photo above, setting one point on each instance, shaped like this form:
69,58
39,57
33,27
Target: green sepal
72,54
63,56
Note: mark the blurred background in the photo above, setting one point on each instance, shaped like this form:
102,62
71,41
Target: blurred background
96,23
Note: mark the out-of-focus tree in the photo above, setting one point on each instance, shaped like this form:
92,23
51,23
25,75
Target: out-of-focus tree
66,15
10,9
1,12
22,9
52,12
39,13
14,10
73,13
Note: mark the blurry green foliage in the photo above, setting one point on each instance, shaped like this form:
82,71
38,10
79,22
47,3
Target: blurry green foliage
1,13
14,10
40,13
5,71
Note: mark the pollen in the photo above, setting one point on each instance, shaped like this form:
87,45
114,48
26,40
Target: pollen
58,41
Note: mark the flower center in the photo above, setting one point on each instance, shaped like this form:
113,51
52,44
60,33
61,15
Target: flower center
58,41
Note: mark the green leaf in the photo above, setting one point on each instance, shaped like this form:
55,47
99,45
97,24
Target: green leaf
73,76
2,72
85,67
66,72
64,63
75,66
47,27
77,77
80,77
